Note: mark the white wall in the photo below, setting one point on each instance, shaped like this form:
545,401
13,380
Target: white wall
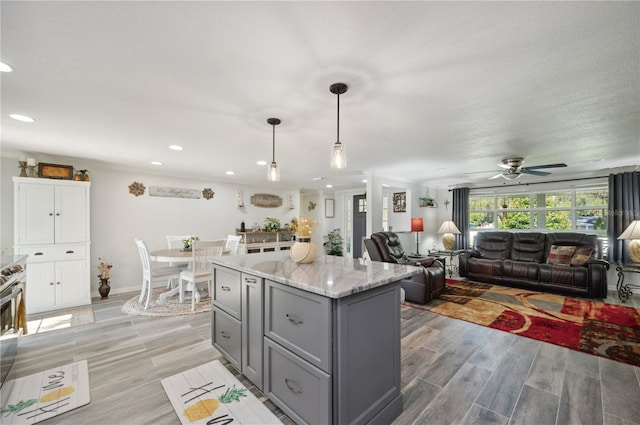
118,217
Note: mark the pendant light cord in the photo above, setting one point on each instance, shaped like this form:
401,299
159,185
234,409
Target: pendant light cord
273,159
338,126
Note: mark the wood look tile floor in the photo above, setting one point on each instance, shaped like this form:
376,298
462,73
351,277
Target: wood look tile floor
453,372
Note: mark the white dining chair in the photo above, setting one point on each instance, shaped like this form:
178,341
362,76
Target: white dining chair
175,242
151,273
232,244
201,271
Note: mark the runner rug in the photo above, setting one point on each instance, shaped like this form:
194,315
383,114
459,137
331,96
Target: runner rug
43,395
210,394
586,325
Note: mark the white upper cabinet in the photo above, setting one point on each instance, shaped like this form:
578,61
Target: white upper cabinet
51,212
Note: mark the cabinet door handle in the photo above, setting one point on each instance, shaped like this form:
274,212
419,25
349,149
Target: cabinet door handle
293,388
249,280
225,335
50,283
225,288
57,283
39,253
50,214
58,214
293,319
70,252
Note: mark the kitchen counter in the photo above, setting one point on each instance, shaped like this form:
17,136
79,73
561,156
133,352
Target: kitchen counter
304,334
329,276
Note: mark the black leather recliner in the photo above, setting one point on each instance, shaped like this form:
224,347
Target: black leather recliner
421,288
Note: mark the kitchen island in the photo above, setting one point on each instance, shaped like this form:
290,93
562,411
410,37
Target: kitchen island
321,340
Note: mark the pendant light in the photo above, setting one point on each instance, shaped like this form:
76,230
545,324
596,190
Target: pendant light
338,154
273,174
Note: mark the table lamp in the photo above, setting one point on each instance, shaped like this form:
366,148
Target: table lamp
449,229
417,225
633,233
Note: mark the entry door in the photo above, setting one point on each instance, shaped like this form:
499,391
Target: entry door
359,223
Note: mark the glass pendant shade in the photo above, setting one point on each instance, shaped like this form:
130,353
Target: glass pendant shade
273,173
338,156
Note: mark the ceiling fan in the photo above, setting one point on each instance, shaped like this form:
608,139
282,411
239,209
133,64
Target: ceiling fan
513,169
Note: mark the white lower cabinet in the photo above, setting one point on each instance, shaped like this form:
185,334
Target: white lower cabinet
56,278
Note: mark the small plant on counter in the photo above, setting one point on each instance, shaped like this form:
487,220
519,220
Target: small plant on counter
333,243
271,224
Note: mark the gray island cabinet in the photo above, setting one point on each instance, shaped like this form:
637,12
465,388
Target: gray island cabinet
321,340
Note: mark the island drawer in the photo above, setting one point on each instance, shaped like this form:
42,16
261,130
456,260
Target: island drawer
226,336
301,390
227,290
299,321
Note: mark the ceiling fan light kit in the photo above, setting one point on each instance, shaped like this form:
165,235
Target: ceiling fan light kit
338,154
513,169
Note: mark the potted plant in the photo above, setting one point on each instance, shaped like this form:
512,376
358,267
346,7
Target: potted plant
188,242
333,243
271,224
84,176
104,276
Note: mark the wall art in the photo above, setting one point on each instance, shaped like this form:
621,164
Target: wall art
136,189
400,202
208,193
173,192
265,200
329,205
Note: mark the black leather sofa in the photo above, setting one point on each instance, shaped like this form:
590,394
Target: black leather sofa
420,288
564,263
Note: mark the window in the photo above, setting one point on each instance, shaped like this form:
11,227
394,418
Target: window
549,210
385,213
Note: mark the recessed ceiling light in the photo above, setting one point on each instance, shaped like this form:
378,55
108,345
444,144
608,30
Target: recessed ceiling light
229,173
156,163
22,118
317,179
261,162
175,147
5,68
591,161
329,186
364,180
385,185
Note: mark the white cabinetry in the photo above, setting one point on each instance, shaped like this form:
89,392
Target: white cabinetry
51,226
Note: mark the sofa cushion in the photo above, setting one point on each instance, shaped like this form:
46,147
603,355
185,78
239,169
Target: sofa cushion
493,245
528,246
580,256
560,255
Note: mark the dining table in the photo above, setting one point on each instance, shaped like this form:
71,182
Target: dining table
172,255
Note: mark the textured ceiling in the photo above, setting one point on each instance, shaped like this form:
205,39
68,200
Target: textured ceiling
439,92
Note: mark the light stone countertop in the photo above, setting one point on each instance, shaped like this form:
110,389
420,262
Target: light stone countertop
333,277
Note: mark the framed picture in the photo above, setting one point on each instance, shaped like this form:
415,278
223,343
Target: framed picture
55,171
329,205
400,202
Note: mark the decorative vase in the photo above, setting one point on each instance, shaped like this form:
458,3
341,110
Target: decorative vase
104,288
303,251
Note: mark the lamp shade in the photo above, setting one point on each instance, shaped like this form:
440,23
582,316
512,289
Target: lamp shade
449,227
417,225
632,231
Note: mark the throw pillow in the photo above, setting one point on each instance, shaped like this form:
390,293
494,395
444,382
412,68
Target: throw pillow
581,256
560,255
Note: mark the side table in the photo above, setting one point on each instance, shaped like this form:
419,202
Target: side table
624,290
447,253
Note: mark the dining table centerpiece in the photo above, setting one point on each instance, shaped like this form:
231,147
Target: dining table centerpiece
303,250
104,276
188,242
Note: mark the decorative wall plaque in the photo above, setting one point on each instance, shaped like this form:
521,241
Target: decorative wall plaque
265,200
173,192
136,189
55,171
208,193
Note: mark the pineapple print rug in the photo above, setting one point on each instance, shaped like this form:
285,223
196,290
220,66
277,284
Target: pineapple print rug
210,394
43,395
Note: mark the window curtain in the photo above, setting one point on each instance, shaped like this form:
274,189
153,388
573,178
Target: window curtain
461,216
624,207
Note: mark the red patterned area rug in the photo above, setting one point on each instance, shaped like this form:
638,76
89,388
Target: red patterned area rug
581,324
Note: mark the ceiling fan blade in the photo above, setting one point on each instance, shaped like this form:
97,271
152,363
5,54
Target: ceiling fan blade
534,173
496,176
505,166
537,167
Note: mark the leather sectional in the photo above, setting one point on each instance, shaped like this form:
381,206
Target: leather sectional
564,263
